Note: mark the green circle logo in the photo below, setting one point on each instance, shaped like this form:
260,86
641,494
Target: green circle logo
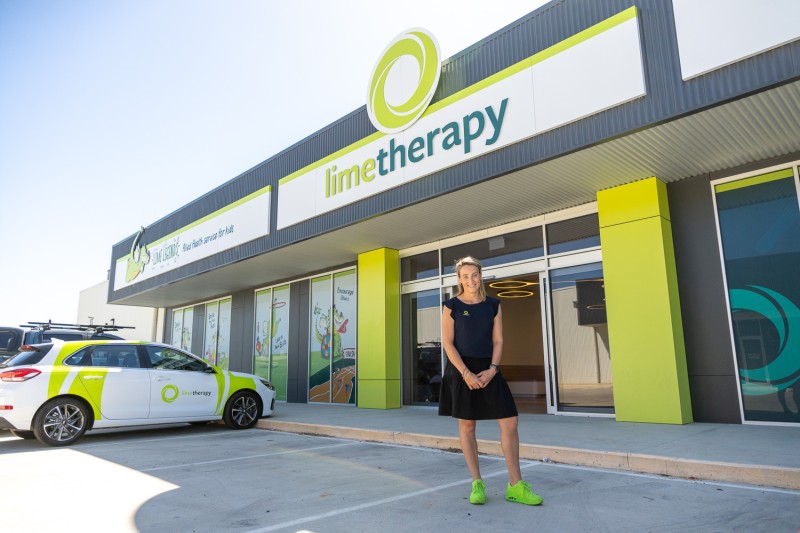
403,81
169,393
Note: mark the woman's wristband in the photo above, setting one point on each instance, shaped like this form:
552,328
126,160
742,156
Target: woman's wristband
464,373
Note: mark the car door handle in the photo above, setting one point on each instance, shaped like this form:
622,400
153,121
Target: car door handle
162,379
93,377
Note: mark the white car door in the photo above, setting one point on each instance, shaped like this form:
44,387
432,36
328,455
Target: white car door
179,385
113,377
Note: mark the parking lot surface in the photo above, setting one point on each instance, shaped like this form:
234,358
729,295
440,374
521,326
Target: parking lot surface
207,478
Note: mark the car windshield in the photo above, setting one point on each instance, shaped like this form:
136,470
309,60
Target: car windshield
30,356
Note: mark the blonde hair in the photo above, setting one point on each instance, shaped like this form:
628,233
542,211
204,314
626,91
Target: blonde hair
469,261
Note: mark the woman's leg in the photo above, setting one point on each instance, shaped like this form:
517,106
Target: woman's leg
509,441
469,446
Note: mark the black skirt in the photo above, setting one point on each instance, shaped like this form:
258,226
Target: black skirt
489,403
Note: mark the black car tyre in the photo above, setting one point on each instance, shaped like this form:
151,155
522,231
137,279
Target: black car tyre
242,410
60,422
23,434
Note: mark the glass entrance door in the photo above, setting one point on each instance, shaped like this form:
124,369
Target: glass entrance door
580,355
523,364
524,354
556,355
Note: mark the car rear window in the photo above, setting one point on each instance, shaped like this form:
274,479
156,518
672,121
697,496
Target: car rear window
9,340
28,357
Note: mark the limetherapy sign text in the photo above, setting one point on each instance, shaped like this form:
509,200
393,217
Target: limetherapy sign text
235,224
594,70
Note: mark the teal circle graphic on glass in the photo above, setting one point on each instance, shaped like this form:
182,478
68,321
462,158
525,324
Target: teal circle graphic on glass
169,393
404,81
784,316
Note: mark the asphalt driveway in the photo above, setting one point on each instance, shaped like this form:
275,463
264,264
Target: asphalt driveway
208,478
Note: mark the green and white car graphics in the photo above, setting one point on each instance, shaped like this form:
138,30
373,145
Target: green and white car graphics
55,392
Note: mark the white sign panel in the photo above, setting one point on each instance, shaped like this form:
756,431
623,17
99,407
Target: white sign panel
715,33
594,70
235,224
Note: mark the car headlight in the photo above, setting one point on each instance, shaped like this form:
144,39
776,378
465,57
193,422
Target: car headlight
267,384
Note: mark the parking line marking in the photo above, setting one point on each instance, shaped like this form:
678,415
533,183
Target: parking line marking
230,459
363,506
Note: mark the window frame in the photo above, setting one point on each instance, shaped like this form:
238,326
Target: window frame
713,184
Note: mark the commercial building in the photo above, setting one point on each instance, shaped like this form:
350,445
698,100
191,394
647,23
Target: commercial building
626,170
147,323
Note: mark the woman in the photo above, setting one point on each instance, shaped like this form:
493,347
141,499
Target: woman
473,389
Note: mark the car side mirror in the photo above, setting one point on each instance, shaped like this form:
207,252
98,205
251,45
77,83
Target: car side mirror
209,370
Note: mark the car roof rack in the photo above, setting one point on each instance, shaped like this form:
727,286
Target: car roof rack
98,328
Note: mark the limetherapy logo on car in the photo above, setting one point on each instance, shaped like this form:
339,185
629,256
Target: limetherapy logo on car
170,393
403,81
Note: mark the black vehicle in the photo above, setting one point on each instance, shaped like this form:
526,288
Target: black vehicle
12,337
429,371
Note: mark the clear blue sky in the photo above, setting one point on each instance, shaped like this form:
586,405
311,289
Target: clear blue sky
113,114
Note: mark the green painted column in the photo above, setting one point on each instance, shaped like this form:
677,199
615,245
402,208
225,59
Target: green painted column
648,356
379,329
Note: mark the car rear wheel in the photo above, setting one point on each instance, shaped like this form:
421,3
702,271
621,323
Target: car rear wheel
23,434
60,422
242,410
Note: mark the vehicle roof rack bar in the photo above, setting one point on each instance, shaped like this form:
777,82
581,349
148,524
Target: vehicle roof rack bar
81,327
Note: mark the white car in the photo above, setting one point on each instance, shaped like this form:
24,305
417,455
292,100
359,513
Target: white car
57,391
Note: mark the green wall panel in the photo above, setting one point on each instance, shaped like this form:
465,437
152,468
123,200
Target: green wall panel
379,329
379,393
644,319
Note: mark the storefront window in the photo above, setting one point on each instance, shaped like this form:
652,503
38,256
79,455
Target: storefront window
182,328
271,346
580,337
332,352
279,356
319,353
422,347
177,328
573,234
217,333
497,250
759,225
224,334
421,266
263,333
343,363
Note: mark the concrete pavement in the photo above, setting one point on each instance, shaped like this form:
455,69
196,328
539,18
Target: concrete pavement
734,453
210,479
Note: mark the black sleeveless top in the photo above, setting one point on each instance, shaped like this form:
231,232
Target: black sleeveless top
473,326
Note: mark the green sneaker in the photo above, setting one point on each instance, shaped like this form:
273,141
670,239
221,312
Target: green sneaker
478,494
521,493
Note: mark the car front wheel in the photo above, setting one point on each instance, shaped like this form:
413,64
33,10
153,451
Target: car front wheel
242,410
60,422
